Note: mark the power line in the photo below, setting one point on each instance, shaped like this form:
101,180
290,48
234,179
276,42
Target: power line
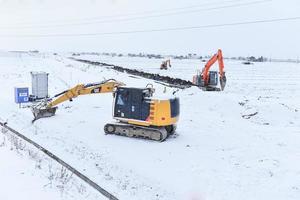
167,10
135,13
157,30
140,18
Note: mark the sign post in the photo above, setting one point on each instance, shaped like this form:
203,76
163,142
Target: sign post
21,95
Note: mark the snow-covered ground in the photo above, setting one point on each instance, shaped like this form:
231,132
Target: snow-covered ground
27,173
19,180
217,153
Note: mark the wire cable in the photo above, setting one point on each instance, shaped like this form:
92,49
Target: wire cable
137,18
155,30
132,14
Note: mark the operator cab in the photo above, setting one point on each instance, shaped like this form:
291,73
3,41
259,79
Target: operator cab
132,103
212,79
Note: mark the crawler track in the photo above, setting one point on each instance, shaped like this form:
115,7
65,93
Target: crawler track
63,163
172,82
158,134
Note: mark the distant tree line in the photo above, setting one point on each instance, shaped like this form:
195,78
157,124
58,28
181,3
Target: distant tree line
179,57
250,59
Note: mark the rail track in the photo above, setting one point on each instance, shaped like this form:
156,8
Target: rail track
171,82
63,163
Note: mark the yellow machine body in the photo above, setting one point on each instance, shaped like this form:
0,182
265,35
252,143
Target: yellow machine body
160,115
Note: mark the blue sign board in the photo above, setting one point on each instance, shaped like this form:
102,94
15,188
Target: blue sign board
21,95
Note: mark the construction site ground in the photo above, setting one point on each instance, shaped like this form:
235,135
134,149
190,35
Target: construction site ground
241,143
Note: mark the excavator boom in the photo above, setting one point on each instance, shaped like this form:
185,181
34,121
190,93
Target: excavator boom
47,107
81,89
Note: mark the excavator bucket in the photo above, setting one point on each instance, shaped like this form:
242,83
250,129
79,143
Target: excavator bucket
39,113
223,82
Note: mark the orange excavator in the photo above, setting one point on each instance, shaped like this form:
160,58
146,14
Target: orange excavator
165,64
208,80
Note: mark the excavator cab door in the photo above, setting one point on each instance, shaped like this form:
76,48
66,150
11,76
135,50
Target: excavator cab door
213,78
121,107
136,104
131,104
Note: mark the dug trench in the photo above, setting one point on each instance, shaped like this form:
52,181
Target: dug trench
165,80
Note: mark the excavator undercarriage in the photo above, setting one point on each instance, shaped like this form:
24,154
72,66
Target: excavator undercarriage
152,133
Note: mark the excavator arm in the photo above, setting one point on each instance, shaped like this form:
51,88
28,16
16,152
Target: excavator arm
47,108
81,89
205,72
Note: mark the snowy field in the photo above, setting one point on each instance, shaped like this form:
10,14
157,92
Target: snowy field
218,152
32,174
16,174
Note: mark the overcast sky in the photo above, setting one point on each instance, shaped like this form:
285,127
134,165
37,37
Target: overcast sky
53,17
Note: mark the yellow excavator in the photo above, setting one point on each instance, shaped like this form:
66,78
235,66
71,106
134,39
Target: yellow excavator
136,113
